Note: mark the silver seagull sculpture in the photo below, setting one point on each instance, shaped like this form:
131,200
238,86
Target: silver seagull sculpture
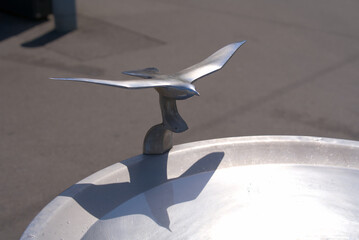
171,87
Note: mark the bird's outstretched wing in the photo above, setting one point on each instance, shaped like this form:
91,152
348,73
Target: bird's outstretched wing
211,64
143,73
124,84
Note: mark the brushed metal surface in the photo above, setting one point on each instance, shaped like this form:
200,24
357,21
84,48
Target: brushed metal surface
175,86
251,202
262,187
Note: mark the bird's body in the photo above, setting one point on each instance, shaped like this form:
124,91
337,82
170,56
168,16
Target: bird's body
176,86
178,89
180,92
172,87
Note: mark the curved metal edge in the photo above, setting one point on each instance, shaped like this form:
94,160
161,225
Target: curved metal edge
264,138
200,148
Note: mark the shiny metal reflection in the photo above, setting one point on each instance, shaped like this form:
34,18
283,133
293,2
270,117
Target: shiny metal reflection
171,87
259,187
248,202
174,86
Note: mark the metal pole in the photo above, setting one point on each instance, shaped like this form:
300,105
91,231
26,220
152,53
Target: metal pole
65,15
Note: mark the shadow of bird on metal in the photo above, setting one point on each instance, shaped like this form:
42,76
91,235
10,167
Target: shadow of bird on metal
149,185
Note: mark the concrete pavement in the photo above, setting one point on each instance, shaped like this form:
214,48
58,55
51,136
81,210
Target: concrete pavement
298,74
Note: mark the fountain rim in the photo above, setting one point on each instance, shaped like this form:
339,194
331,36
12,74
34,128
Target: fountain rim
221,144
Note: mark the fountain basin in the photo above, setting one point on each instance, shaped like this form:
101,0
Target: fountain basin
279,187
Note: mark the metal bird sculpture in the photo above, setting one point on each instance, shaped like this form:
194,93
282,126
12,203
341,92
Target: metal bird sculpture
171,87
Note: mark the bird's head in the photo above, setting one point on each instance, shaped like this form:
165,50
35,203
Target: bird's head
193,90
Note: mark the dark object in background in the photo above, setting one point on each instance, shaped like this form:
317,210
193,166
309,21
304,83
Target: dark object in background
65,15
35,9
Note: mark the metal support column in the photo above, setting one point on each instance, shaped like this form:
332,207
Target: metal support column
65,15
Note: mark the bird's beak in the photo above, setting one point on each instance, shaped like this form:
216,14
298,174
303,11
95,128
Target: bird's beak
196,93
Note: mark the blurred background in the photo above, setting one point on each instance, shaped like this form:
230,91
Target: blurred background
298,74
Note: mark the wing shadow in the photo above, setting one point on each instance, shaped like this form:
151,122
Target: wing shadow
146,174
